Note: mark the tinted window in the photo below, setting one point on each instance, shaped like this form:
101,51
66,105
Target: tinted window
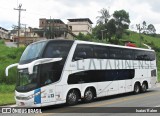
153,73
57,49
83,51
152,55
32,52
144,55
115,53
100,76
101,52
128,54
51,72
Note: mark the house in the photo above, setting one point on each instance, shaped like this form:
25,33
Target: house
4,33
26,35
53,28
80,25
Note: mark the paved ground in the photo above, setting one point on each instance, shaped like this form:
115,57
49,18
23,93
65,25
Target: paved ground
114,104
11,44
129,102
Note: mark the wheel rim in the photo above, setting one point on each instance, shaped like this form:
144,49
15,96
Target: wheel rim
136,88
88,95
72,97
144,87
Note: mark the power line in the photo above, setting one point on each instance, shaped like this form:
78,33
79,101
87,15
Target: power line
19,20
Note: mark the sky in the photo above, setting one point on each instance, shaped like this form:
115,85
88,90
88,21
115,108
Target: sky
139,11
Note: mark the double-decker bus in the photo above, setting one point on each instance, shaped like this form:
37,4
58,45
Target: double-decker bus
65,71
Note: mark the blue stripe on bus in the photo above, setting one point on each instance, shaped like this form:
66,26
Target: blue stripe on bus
37,98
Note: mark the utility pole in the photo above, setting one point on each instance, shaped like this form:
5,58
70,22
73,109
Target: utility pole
102,32
19,20
139,28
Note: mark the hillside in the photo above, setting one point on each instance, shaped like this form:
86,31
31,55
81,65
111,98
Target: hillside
154,42
8,56
133,36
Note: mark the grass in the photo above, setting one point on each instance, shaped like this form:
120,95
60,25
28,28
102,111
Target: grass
6,94
8,56
7,98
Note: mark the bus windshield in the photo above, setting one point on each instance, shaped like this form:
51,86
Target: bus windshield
32,52
25,81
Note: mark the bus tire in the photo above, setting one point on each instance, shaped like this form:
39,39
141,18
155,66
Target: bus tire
136,88
88,95
144,87
72,97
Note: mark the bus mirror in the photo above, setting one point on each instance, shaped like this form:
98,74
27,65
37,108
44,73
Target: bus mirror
80,56
42,61
10,66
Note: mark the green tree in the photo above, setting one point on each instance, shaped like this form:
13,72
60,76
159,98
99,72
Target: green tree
111,29
97,31
151,29
144,27
83,37
104,17
122,22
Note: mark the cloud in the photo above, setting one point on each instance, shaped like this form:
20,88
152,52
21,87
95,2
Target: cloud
139,10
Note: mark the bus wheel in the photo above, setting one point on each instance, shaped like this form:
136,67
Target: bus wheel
136,88
88,95
144,87
72,97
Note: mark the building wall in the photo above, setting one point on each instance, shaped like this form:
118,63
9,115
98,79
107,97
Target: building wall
45,23
4,33
55,27
80,27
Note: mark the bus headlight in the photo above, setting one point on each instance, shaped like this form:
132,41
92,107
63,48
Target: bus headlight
30,97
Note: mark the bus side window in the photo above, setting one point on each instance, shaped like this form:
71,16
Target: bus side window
83,51
128,54
115,53
100,52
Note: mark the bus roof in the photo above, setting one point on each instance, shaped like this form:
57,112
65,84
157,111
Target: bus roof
111,45
94,43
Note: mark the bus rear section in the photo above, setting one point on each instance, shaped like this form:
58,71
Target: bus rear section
98,70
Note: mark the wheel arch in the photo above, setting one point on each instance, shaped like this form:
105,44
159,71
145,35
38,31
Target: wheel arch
77,89
146,82
93,88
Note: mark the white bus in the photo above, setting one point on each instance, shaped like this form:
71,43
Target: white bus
65,71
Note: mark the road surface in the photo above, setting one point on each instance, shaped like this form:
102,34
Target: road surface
117,105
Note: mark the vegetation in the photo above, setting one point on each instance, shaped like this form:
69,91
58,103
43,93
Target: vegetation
6,94
8,56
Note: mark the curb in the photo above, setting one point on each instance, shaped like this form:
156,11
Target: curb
14,105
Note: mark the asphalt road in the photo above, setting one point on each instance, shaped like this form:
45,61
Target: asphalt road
116,105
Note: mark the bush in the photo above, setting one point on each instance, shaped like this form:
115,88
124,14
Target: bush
1,42
9,56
